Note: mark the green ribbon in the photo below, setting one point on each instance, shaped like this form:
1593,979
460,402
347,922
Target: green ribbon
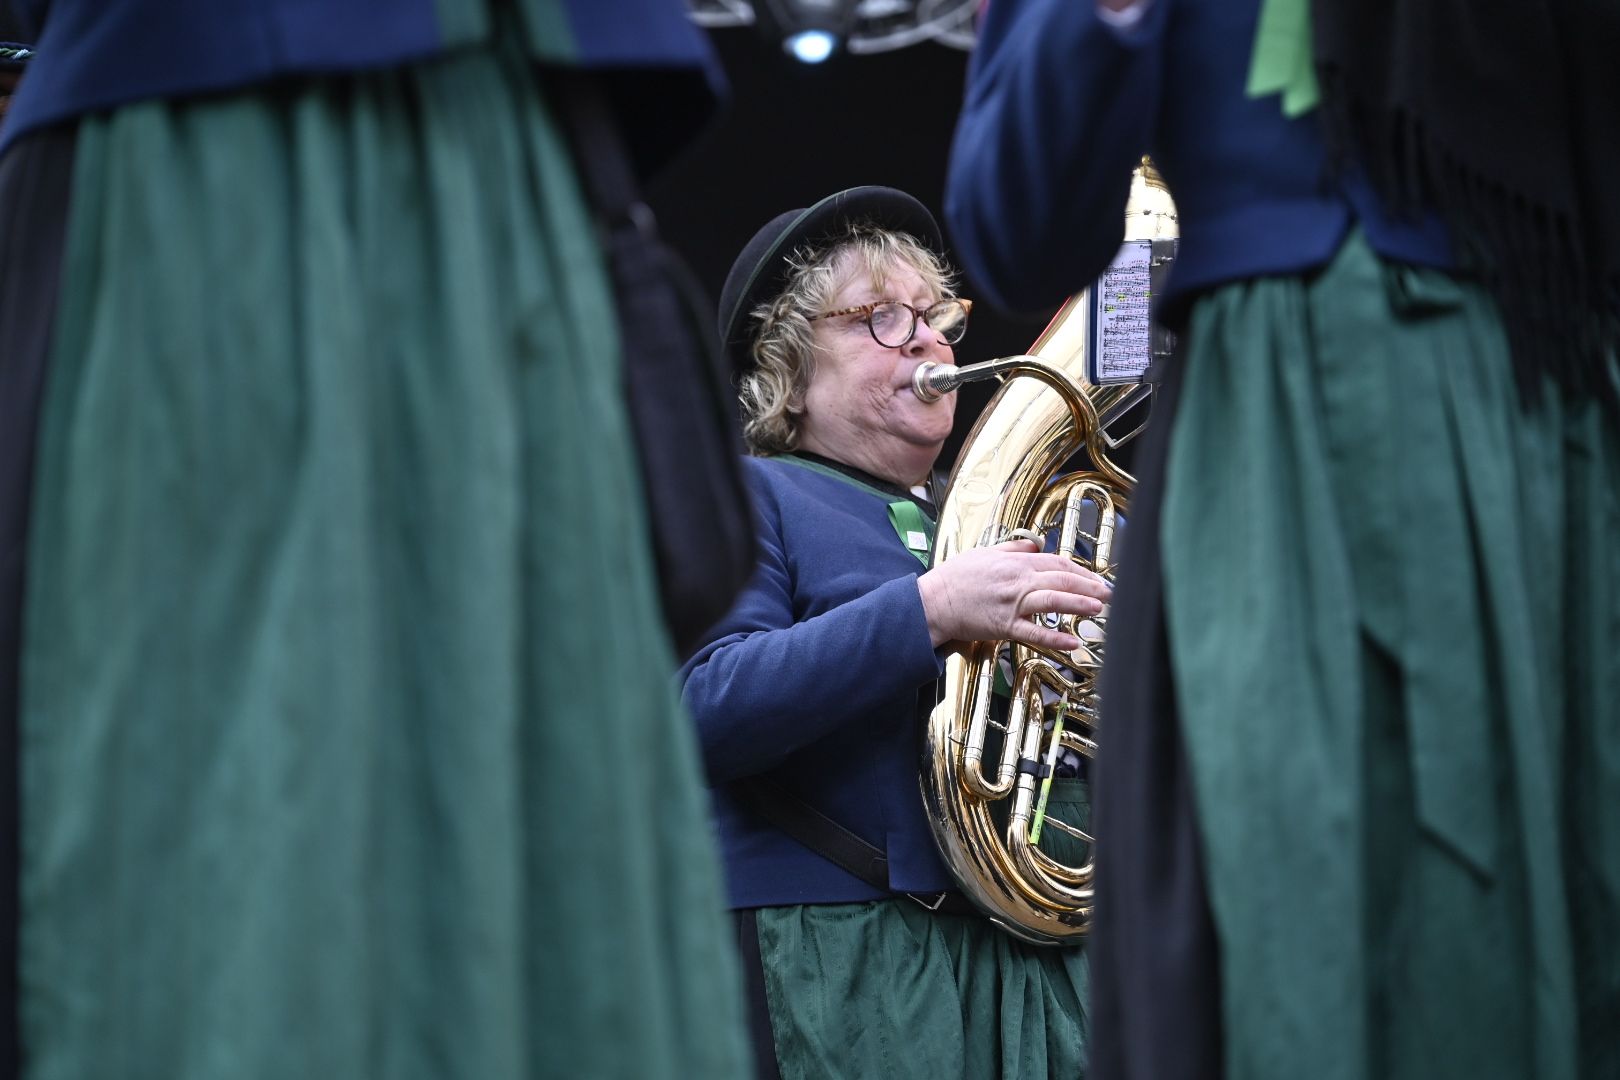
911,525
1282,61
913,528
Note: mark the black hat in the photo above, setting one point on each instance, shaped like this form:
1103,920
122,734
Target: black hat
761,270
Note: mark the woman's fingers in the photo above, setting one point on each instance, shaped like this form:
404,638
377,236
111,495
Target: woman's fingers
992,592
1033,633
1062,574
1071,580
1046,601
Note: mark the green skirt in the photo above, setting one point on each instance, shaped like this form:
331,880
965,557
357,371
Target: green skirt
1392,595
888,990
349,741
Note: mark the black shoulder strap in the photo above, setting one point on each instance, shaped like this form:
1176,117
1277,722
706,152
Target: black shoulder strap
603,163
681,404
813,829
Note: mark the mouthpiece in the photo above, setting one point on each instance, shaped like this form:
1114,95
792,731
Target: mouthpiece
930,381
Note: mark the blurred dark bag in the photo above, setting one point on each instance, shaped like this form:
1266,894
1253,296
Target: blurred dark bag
681,404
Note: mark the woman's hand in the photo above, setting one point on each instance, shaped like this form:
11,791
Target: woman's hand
989,594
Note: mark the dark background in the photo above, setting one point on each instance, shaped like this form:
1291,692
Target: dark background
795,133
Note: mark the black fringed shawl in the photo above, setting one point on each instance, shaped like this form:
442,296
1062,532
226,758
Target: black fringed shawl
1505,115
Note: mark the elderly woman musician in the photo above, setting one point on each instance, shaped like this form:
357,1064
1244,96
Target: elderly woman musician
809,695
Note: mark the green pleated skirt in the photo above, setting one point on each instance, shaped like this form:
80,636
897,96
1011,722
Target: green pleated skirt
1392,595
348,735
888,990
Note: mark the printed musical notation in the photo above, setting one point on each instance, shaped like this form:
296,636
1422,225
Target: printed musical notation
1124,315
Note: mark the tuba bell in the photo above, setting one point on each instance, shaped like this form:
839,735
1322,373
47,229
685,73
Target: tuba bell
1080,379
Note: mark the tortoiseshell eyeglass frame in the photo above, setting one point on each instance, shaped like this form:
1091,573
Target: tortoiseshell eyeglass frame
916,314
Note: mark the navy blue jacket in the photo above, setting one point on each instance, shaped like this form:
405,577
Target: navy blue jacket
1059,108
98,54
813,679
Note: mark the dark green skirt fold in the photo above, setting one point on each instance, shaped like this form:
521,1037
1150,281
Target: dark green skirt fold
349,740
889,989
1393,602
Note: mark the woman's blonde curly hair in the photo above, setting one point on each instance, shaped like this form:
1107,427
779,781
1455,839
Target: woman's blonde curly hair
784,348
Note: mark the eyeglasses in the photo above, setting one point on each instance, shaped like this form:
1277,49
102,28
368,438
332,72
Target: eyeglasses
893,322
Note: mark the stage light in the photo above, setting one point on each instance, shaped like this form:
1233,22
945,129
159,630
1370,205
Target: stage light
810,46
810,31
870,26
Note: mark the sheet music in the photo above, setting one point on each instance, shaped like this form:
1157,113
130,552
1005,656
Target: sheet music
1124,318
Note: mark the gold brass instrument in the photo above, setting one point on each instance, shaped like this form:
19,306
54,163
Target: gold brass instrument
1003,486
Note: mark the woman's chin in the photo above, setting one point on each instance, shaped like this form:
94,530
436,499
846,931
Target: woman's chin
929,435
936,427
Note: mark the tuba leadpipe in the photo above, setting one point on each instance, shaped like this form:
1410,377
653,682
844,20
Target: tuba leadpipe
1096,408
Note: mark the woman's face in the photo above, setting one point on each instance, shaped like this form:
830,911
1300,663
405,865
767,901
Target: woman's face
859,407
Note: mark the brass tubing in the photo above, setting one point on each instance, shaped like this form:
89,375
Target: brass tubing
984,668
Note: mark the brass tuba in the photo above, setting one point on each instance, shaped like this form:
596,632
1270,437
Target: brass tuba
1056,400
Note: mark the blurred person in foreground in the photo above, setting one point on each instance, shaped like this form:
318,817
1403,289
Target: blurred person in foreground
1358,810
861,958
338,689
20,295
